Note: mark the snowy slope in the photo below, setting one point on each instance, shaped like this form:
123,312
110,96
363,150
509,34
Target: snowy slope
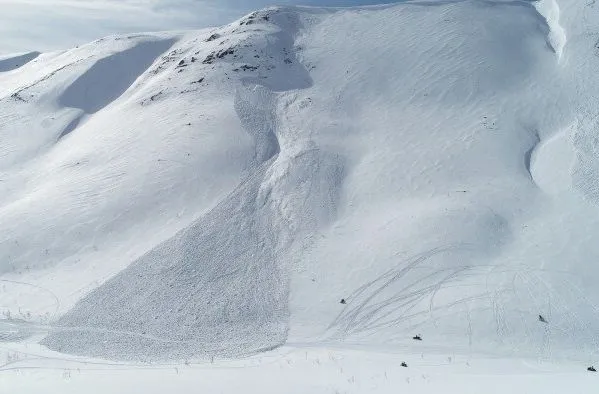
9,63
297,371
190,195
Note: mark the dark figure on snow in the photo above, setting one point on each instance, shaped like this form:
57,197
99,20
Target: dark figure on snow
417,338
343,301
591,369
403,364
542,319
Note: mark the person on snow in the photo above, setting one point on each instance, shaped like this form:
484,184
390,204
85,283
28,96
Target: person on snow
542,319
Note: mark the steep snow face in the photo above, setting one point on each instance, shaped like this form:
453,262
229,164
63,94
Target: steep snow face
550,10
135,179
220,285
217,193
439,192
461,217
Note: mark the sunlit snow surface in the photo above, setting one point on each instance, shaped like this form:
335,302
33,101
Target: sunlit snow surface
214,194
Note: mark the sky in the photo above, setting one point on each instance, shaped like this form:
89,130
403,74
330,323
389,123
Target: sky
45,25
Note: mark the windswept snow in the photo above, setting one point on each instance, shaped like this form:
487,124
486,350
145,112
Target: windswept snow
216,193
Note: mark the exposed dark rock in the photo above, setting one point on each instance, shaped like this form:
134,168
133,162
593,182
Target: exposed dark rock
246,67
18,97
225,52
213,37
218,55
209,59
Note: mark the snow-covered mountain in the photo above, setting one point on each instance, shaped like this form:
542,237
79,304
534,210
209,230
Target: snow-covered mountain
217,193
